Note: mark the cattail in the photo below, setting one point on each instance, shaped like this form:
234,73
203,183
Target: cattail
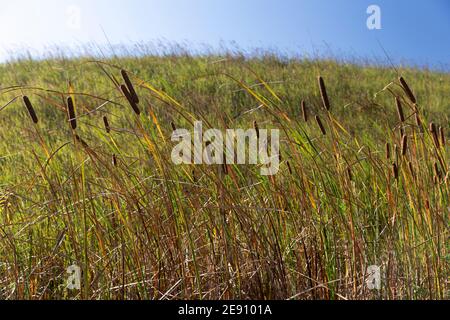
30,109
320,124
256,127
323,94
114,160
106,123
388,151
304,111
130,87
349,173
407,90
194,176
434,133
401,115
174,127
395,171
404,145
289,167
442,134
71,112
130,99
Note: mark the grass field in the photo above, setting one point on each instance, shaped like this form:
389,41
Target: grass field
372,190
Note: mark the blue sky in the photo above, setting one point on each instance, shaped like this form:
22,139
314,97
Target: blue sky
414,32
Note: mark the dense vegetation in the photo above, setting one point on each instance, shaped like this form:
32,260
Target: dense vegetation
372,190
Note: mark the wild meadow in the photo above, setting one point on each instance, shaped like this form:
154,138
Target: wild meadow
86,179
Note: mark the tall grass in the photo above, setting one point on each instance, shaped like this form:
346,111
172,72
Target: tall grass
365,184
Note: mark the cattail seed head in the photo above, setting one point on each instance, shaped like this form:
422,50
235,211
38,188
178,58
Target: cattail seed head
401,115
304,111
130,99
404,145
434,133
71,113
106,123
289,167
114,160
256,127
320,124
388,151
130,87
350,174
30,109
407,90
323,94
174,127
395,171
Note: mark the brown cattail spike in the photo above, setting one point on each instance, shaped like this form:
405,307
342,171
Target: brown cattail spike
30,109
401,115
130,87
434,133
404,145
174,127
304,111
71,113
395,171
255,125
320,124
114,160
388,151
130,99
289,167
106,123
323,94
407,90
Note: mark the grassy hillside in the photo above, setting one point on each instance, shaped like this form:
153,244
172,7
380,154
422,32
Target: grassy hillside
373,190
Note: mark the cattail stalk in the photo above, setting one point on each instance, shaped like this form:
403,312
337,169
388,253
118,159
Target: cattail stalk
30,109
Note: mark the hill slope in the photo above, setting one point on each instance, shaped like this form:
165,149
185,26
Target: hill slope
372,190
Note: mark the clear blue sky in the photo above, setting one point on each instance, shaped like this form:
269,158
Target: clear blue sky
416,32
